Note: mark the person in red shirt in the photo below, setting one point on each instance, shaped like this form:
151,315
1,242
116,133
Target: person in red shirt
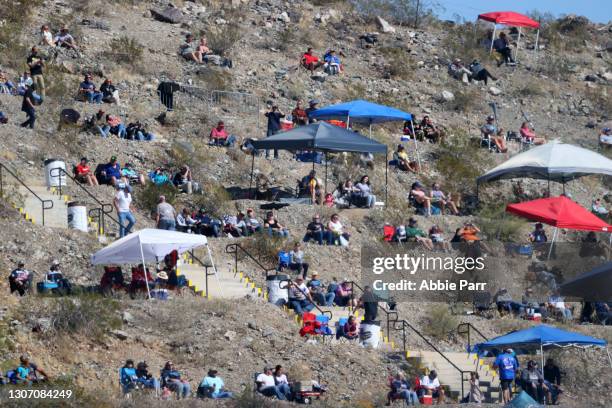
220,137
300,118
529,136
83,173
310,61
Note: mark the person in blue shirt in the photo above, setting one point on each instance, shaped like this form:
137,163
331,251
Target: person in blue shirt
332,63
207,225
111,172
502,46
317,290
507,364
213,386
88,89
127,376
171,379
23,372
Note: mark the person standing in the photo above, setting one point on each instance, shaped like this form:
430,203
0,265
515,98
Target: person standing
27,106
274,126
123,205
166,215
507,365
36,64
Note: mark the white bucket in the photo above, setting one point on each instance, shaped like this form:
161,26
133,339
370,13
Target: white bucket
57,177
276,294
369,334
77,216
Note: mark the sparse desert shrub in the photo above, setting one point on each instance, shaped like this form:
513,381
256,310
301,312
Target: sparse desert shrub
399,63
458,173
222,41
440,322
265,250
599,98
465,41
57,86
214,198
530,88
148,196
558,68
14,16
214,79
466,100
497,224
125,50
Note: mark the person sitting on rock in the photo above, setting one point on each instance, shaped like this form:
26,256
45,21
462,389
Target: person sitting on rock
403,160
440,200
110,94
109,173
253,225
145,378
184,222
318,292
480,73
184,181
132,176
599,209
333,65
415,234
274,227
267,386
203,48
502,46
127,377
490,132
206,224
310,61
189,50
364,192
83,174
344,294
46,38
300,299
299,116
220,137
336,232
420,197
432,132
315,230
20,279
114,126
457,70
401,389
65,39
212,386
138,131
350,329
172,379
25,80
528,135
87,89
55,275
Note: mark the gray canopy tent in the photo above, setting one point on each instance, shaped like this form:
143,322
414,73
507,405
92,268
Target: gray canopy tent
593,286
322,137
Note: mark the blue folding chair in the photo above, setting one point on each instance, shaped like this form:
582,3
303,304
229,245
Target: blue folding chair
324,331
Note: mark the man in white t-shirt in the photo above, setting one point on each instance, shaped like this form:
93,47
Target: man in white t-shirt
300,299
267,386
431,385
123,205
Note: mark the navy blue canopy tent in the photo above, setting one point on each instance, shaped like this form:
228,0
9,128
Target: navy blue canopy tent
538,337
593,286
363,112
321,137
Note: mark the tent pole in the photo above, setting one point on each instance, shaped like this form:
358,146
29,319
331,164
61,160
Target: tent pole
563,187
537,38
416,145
542,366
144,266
251,182
387,177
370,129
609,358
552,243
493,38
518,43
348,120
325,172
212,263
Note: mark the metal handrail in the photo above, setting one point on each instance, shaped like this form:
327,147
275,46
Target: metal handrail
106,209
466,328
42,202
392,323
198,260
236,248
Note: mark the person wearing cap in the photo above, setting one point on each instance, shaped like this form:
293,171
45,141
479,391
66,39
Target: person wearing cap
267,386
300,299
55,275
274,126
145,378
315,230
28,106
172,379
430,384
333,65
65,39
480,73
20,279
37,64
123,205
312,107
87,89
507,365
490,132
532,381
457,70
128,377
605,138
318,292
212,386
416,234
206,224
110,173
298,114
165,215
83,174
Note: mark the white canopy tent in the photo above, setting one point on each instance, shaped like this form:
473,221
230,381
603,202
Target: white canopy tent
148,245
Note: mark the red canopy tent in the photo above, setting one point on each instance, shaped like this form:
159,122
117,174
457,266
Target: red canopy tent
560,212
510,18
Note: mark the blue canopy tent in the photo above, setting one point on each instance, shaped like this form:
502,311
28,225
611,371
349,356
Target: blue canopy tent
364,112
539,337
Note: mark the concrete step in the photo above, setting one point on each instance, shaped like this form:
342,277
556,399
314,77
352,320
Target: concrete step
224,285
55,217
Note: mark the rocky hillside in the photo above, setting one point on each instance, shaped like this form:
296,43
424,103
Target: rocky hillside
563,89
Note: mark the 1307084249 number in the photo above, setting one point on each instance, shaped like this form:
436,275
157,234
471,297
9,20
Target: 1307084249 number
40,394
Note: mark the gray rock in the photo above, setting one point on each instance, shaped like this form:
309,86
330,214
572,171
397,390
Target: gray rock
447,96
590,78
267,332
495,91
169,15
252,325
127,317
120,334
284,17
384,25
230,335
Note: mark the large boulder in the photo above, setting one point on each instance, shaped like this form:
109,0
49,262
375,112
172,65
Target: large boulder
447,96
170,15
384,25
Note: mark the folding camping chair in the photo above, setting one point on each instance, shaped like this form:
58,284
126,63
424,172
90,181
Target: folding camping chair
388,233
323,330
309,324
